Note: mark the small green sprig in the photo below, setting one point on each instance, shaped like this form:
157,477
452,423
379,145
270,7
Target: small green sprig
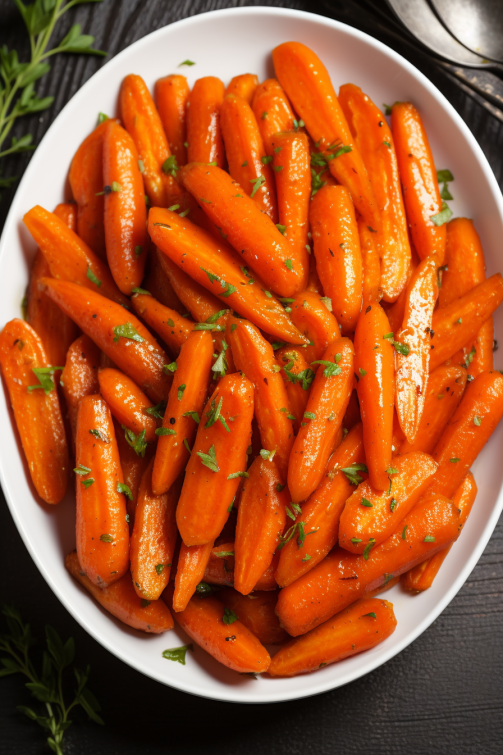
46,686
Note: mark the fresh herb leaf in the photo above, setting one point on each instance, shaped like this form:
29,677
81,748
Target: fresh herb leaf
404,532
87,483
170,166
429,539
366,502
477,421
229,616
356,540
81,470
159,568
224,554
170,367
192,415
468,360
234,475
210,459
444,176
351,473
123,488
178,654
137,442
127,331
443,216
107,538
257,183
368,548
371,614
101,436
454,460
331,368
44,376
157,411
160,431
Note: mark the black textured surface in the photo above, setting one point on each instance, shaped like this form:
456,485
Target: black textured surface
443,694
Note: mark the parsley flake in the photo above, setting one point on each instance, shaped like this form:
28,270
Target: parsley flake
91,276
178,654
257,183
123,488
127,331
229,616
210,459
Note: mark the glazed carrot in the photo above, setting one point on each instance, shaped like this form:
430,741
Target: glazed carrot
251,232
86,181
135,457
371,264
204,136
307,84
185,404
171,95
37,412
297,377
421,577
352,416
118,333
80,376
395,312
102,529
419,180
158,284
314,283
261,521
244,86
221,449
213,266
443,394
256,612
374,368
125,210
467,432
220,568
128,403
481,350
293,189
192,562
337,250
68,257
370,517
460,321
321,512
326,405
412,362
375,143
254,356
342,577
383,588
272,111
230,643
199,302
173,328
360,627
246,155
120,600
153,539
312,316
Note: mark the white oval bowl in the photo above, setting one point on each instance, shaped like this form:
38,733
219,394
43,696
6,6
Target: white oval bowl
225,43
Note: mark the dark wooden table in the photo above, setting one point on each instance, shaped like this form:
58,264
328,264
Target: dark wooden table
443,694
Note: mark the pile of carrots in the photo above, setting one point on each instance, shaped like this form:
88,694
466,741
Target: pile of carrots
268,352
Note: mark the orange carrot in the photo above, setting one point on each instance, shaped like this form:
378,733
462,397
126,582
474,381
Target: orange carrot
118,333
312,315
125,210
261,521
135,456
244,86
324,413
360,627
192,562
371,264
157,283
374,369
419,181
25,369
120,600
80,376
182,415
220,568
272,111
352,416
314,283
297,377
256,612
171,95
102,529
246,155
337,250
204,136
173,328
128,404
199,302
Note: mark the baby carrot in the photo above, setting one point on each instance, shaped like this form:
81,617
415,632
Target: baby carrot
307,84
314,283
297,377
467,432
375,143
261,521
80,376
324,413
370,517
443,393
102,529
25,369
125,209
204,503
153,539
143,123
321,512
360,627
342,577
460,321
68,257
204,135
168,323
256,612
246,155
419,181
135,456
157,283
220,568
128,404
171,95
371,264
244,86
121,601
374,370
214,266
182,415
192,562
199,302
254,356
118,333
272,111
414,345
337,250
421,577
311,314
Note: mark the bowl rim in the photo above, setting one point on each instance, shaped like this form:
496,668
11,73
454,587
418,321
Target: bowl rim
374,661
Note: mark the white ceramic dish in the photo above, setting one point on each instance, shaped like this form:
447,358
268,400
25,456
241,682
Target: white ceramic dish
226,43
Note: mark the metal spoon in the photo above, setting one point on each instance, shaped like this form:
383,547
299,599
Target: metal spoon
477,24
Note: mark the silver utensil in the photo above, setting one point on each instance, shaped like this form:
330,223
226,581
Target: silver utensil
477,24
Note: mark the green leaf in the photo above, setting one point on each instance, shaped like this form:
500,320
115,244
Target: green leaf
445,193
316,182
443,216
178,654
368,548
192,415
234,475
170,368
91,276
44,375
137,442
224,554
34,73
123,488
165,431
257,183
157,411
181,389
100,435
351,473
402,348
372,615
91,706
229,616
141,291
87,483
127,331
331,368
210,459
366,502
187,63
105,538
78,43
444,176
81,470
170,166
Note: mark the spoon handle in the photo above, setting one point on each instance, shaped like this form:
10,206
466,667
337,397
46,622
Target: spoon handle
487,84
